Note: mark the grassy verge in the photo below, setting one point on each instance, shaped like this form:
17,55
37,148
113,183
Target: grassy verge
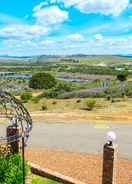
40,180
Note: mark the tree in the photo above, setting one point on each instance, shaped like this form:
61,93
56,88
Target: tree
122,77
42,81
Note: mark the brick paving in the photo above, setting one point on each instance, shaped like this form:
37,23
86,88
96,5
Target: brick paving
84,167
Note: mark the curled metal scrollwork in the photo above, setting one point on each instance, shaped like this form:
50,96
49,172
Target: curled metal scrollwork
13,110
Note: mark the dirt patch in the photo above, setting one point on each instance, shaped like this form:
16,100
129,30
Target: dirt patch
79,116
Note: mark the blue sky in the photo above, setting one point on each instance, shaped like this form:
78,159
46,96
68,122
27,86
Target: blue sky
33,27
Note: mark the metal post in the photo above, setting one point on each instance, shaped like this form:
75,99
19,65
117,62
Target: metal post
23,159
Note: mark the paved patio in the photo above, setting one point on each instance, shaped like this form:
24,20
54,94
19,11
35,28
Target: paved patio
84,167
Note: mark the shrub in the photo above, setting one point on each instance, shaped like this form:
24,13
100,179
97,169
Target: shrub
44,106
42,81
50,93
54,102
36,99
108,97
26,96
63,86
122,76
89,104
78,101
129,91
59,88
11,169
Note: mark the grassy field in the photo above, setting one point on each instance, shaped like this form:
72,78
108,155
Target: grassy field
54,105
40,180
71,110
78,66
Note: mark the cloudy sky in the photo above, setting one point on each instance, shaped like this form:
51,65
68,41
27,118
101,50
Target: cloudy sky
32,27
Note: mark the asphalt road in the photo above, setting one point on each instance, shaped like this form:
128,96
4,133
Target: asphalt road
81,137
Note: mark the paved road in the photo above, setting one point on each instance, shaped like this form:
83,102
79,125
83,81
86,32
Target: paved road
86,138
81,137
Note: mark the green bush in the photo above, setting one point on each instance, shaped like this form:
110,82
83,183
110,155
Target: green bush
42,81
26,96
36,99
50,93
59,88
11,169
63,86
89,104
122,76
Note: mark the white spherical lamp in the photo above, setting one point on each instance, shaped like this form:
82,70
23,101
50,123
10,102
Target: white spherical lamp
111,136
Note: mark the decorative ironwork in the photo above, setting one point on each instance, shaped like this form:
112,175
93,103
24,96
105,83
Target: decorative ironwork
15,112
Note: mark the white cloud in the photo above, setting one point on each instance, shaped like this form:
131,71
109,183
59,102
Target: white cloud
21,37
47,42
41,5
22,31
38,29
46,20
106,7
52,1
98,37
50,15
75,37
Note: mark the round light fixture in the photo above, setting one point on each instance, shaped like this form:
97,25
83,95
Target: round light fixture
111,136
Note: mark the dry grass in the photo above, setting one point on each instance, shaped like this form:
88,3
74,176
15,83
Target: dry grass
71,104
70,110
80,116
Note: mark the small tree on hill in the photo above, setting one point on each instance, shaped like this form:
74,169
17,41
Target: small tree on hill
122,78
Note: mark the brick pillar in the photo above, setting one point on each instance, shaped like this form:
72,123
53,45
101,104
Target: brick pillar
12,134
109,164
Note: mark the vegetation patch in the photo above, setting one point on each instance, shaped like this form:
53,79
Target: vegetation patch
26,96
11,169
40,180
89,104
42,81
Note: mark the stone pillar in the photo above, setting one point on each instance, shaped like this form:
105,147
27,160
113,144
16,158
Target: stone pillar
109,164
12,137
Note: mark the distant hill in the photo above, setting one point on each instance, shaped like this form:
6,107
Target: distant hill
90,59
128,56
108,59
